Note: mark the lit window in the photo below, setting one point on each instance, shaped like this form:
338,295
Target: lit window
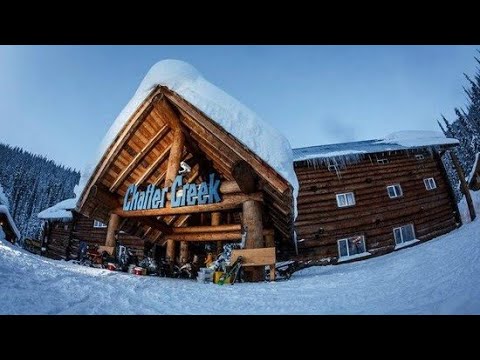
98,224
419,157
351,246
382,161
394,191
403,234
346,199
430,183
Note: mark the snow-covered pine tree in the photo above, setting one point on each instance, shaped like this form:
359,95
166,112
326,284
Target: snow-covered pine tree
465,128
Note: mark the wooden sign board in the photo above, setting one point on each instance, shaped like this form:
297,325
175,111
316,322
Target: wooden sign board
257,257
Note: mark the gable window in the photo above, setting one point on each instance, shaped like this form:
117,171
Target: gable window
345,199
419,157
98,224
352,247
394,191
404,234
430,183
382,161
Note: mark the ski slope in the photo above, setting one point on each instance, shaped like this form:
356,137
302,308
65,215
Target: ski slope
441,276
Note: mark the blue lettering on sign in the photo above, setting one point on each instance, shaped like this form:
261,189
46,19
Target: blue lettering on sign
180,194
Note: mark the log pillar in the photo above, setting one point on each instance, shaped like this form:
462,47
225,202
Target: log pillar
113,225
184,254
174,160
463,184
252,222
170,253
269,240
216,220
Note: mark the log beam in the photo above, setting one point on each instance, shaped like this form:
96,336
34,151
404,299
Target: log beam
463,184
154,165
205,237
228,202
207,229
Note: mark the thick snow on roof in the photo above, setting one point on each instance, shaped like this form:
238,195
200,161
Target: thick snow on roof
238,120
61,210
4,210
401,140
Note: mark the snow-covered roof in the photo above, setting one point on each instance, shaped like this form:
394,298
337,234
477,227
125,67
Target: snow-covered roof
238,120
4,210
401,140
59,211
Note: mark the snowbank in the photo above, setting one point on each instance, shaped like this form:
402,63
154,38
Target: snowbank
463,207
238,120
440,276
59,211
416,138
4,210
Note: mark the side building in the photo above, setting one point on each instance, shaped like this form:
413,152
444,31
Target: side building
64,228
369,198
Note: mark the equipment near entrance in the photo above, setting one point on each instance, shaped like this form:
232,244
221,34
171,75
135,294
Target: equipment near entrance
231,274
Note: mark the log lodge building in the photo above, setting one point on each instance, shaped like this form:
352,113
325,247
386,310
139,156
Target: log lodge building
180,170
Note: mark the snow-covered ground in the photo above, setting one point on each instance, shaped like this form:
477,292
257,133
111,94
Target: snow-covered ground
441,276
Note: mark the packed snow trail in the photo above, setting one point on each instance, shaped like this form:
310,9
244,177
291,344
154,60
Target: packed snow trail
441,276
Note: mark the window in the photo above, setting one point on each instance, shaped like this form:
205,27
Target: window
419,157
346,199
403,234
354,245
98,224
394,191
430,183
382,161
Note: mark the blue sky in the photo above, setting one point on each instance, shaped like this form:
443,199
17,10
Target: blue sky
59,101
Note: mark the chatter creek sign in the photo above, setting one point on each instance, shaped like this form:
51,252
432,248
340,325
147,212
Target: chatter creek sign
181,195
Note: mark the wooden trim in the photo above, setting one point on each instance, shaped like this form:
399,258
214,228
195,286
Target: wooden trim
139,157
228,202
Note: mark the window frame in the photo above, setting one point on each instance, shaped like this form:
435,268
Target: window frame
395,190
337,196
429,181
401,234
99,225
383,161
348,248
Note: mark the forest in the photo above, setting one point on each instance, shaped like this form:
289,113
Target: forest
32,183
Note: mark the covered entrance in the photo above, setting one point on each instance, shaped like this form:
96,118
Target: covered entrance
173,176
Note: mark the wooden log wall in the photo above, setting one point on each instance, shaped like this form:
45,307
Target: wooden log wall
65,237
320,222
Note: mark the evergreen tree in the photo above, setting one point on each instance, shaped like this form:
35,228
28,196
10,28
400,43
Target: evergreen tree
465,128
